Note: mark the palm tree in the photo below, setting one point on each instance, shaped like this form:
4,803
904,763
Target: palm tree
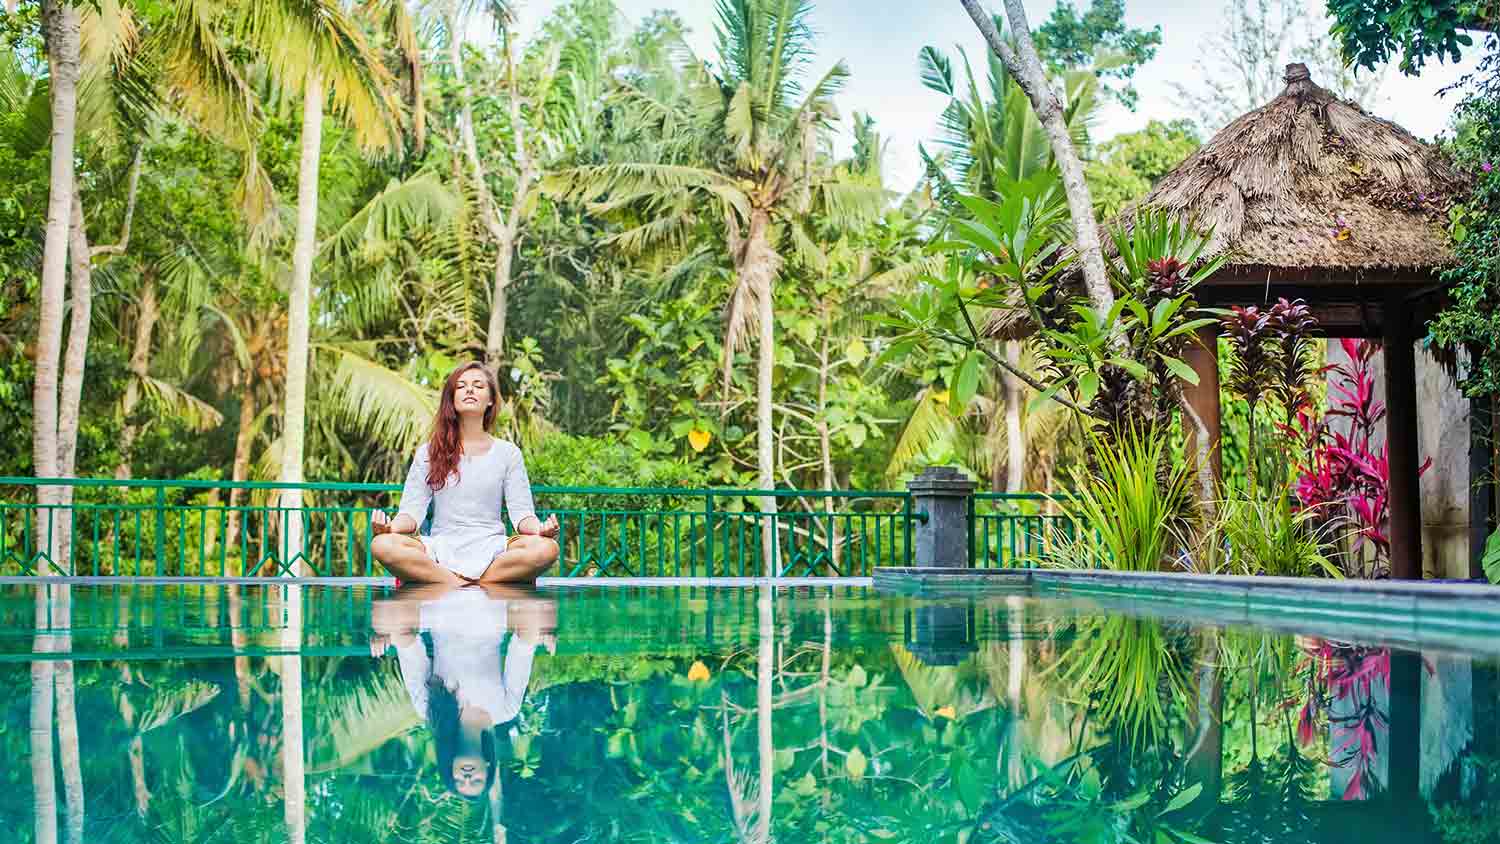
327,55
756,167
61,25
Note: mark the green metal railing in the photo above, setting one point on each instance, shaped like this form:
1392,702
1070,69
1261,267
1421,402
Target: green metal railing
1013,529
193,528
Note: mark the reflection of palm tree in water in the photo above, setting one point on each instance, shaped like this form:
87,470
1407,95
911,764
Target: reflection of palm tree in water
465,657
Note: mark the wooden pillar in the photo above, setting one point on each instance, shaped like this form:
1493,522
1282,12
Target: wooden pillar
1401,440
1203,356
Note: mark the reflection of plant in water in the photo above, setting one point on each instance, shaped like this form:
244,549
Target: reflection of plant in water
1130,671
1474,822
1348,674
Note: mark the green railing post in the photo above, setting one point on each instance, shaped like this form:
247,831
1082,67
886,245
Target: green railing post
161,530
708,519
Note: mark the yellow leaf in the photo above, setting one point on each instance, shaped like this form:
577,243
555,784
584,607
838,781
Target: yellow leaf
699,439
698,673
947,712
856,763
856,351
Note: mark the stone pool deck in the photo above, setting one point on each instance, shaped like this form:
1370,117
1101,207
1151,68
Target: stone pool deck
1418,614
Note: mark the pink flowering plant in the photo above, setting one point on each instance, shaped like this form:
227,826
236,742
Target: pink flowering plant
1344,476
1352,676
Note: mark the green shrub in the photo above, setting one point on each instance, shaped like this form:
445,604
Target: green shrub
1272,537
1127,512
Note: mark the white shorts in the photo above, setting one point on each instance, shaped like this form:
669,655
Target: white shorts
466,555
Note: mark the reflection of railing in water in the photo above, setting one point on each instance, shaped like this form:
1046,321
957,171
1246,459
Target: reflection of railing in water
189,528
207,621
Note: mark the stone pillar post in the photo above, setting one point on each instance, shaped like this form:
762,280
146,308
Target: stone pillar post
945,494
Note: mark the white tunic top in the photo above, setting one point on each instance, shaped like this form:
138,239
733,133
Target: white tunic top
467,531
467,631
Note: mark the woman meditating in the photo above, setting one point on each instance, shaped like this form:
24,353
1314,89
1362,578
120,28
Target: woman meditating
465,474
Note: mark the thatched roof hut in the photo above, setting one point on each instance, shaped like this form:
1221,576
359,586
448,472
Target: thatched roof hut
1311,196
1310,182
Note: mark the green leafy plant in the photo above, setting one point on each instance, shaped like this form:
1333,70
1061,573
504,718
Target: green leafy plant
1128,512
1491,558
1271,536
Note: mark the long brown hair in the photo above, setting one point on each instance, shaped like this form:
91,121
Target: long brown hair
446,445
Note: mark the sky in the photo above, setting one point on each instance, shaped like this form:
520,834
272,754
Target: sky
879,39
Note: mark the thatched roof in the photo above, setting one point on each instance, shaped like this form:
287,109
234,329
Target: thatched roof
1280,184
1311,185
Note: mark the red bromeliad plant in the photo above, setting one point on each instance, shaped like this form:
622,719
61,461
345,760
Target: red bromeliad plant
1344,474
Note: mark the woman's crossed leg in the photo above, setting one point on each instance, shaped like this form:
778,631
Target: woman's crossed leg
406,557
525,557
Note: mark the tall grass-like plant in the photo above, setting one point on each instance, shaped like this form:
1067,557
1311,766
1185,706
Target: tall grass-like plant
1132,673
1127,513
1272,536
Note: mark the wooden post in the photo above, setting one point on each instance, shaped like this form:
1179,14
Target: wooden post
1401,440
1203,356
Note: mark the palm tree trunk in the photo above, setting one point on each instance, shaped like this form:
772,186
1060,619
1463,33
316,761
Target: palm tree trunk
299,318
62,34
1015,437
237,640
825,447
241,469
43,776
760,265
74,362
494,333
1025,65
140,359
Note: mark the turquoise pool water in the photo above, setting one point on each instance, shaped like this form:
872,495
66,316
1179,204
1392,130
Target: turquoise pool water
814,714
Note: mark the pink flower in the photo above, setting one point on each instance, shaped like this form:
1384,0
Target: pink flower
1486,167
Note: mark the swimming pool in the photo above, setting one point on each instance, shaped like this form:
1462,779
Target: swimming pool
814,713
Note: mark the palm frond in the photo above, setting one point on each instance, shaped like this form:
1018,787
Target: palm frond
931,421
936,70
809,251
367,712
196,412
204,80
849,203
900,278
236,337
419,202
666,228
166,705
15,83
366,395
640,179
315,41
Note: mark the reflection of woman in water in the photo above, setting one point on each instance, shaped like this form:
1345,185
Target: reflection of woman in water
465,658
465,474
